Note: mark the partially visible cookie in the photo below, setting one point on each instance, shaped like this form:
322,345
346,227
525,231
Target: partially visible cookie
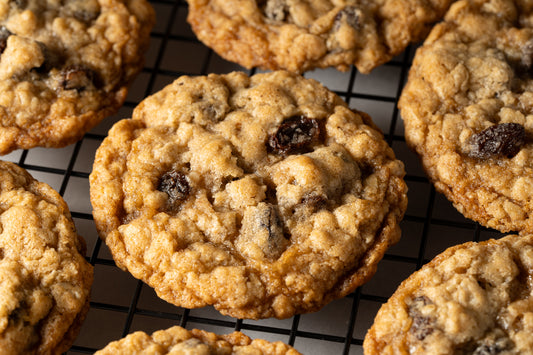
468,111
474,298
302,35
45,280
65,65
263,196
177,340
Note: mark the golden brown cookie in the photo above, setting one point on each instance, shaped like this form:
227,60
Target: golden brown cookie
263,196
300,35
474,298
468,111
44,279
65,65
177,340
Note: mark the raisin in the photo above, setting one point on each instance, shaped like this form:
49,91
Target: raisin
349,15
491,346
271,223
86,16
175,185
315,202
4,34
76,78
293,135
487,350
504,139
276,10
422,326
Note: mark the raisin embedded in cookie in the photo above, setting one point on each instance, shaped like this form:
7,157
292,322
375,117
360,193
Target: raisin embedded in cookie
468,111
65,65
474,298
304,34
263,196
177,340
44,279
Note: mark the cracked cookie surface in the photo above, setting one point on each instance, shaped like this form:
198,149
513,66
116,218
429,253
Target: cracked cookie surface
300,35
474,298
263,196
65,66
44,279
468,111
177,340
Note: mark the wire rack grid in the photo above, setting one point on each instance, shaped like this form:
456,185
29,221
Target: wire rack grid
121,304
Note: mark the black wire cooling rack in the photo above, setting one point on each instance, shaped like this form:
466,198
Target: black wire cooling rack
121,304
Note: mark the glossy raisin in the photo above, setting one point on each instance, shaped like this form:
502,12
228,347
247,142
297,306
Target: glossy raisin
295,134
271,226
85,16
349,15
491,346
314,202
76,78
4,34
271,222
504,139
175,185
422,326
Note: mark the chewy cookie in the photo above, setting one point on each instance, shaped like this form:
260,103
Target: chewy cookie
177,340
65,65
468,111
44,279
301,35
263,196
474,298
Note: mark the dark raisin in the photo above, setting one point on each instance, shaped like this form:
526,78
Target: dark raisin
276,10
422,326
504,139
270,221
419,301
315,202
487,350
176,186
76,78
4,34
349,15
85,16
270,226
83,10
293,135
491,346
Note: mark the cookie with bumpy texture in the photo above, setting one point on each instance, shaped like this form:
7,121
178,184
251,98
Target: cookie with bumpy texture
474,298
65,65
468,111
263,196
177,340
304,34
45,280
